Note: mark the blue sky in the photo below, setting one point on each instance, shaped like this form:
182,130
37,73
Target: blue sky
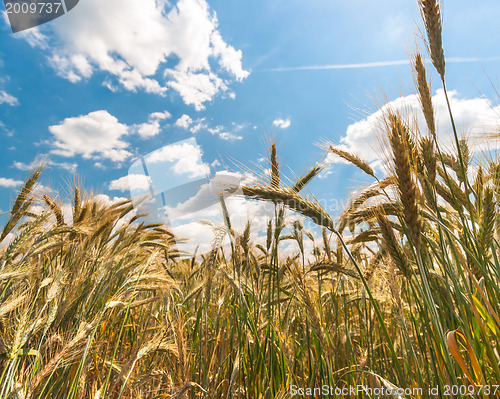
115,79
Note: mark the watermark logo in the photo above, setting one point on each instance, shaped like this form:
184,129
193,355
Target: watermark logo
174,185
26,14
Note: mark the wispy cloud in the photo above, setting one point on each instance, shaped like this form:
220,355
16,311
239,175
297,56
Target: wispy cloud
224,133
41,160
9,183
282,123
7,98
376,64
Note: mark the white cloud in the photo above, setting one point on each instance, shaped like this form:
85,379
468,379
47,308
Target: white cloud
282,123
229,136
473,118
159,116
33,36
70,167
184,121
6,130
107,200
229,58
186,158
152,127
8,98
194,126
139,182
198,125
73,68
9,183
195,88
96,135
40,189
203,196
132,40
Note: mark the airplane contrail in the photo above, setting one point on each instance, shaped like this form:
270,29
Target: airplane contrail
377,64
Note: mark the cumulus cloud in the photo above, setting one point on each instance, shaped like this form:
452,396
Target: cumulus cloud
184,122
473,117
8,98
159,116
282,123
194,126
138,181
97,135
185,158
132,41
9,183
152,127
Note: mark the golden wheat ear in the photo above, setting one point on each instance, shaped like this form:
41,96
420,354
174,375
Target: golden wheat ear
309,208
22,202
431,14
275,170
349,157
56,210
409,193
303,181
391,244
424,94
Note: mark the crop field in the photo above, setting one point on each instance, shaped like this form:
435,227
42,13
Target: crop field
399,296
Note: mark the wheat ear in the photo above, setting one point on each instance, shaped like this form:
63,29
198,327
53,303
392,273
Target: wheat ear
431,14
409,193
352,158
275,171
308,208
425,95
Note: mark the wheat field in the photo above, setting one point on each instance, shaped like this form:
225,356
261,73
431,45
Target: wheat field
400,293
